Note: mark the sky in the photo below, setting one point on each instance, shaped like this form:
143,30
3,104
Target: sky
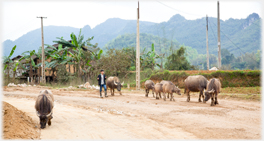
18,18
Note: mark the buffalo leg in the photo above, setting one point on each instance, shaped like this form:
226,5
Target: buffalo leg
164,96
160,94
120,92
172,97
216,102
212,100
157,95
49,122
146,92
168,96
113,92
200,94
188,96
154,94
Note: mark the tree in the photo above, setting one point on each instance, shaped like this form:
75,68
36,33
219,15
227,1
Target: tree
27,55
58,57
115,61
226,57
9,64
178,61
148,60
77,46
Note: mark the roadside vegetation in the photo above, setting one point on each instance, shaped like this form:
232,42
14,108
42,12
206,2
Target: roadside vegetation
77,61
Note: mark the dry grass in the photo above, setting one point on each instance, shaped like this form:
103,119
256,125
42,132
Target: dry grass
242,90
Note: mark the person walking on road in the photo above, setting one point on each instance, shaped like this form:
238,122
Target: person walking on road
101,82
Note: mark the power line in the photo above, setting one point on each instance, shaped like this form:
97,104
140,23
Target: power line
212,30
177,9
235,44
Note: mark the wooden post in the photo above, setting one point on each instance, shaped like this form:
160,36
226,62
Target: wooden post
138,54
207,50
218,30
43,55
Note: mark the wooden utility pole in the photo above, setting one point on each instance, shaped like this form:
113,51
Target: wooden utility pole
207,50
43,55
218,31
138,54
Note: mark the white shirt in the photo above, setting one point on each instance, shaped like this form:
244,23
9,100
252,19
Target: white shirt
102,79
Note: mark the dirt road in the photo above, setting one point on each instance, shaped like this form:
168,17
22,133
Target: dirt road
82,115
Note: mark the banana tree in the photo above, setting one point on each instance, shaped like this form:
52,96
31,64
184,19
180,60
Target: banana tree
88,68
27,55
78,46
58,56
149,59
9,63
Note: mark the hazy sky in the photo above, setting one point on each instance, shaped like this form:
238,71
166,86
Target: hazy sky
18,18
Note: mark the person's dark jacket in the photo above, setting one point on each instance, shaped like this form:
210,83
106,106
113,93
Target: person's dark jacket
99,80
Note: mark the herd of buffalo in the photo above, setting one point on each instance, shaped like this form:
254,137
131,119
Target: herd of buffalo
198,83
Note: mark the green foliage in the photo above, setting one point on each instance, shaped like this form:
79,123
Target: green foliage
178,61
148,60
146,41
115,61
63,76
7,59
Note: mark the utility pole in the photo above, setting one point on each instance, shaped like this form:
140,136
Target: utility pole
218,30
43,55
207,50
138,54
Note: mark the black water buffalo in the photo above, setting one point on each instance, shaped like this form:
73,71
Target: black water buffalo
44,107
196,83
114,83
213,88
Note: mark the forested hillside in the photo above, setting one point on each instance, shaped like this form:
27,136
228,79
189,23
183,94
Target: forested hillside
244,33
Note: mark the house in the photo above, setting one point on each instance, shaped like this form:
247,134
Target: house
37,72
19,72
49,73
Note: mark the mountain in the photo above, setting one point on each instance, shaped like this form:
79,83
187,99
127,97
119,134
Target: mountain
32,39
162,45
244,33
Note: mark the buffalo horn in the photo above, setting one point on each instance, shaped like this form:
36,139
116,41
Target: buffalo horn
49,113
115,83
212,91
122,83
37,113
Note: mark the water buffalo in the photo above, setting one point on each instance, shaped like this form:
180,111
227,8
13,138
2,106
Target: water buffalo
196,83
163,82
158,89
114,83
213,88
170,88
149,84
44,107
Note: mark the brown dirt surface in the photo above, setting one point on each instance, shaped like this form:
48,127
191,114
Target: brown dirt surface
81,114
17,125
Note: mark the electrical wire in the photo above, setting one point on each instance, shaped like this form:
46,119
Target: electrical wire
212,30
234,43
177,9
